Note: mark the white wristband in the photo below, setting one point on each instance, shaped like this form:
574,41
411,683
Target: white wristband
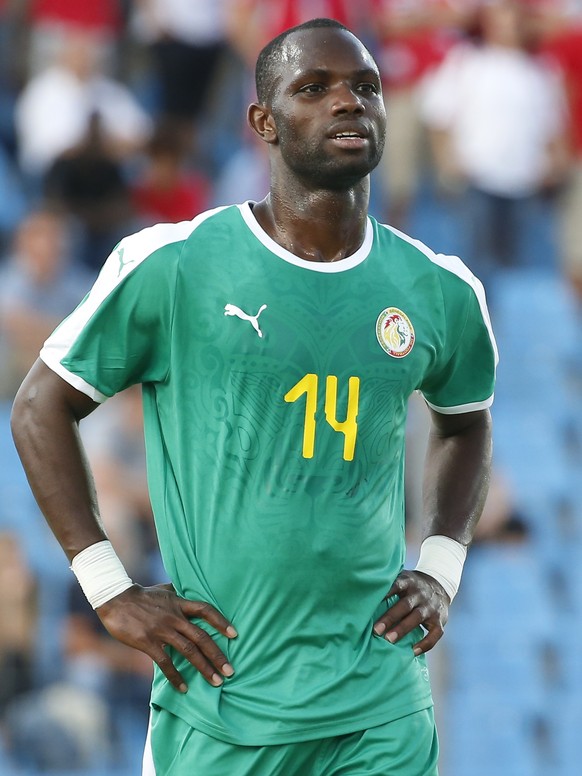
100,573
443,558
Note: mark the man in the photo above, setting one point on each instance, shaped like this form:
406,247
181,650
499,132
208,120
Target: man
277,344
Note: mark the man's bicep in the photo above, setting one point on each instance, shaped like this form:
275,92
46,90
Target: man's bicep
50,392
445,425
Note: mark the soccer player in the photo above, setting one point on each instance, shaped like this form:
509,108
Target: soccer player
277,344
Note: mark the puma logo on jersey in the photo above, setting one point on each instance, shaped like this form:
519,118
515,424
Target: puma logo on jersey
122,263
232,309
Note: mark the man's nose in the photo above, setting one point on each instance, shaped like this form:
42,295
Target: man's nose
347,100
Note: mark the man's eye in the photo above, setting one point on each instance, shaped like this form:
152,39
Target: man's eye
311,88
368,88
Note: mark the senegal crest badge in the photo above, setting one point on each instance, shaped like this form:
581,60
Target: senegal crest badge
395,333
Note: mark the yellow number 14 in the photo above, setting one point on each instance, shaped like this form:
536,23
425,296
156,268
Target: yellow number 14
348,427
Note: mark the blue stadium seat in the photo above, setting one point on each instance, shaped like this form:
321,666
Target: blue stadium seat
488,735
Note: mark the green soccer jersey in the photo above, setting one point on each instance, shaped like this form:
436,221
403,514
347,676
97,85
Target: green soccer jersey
275,396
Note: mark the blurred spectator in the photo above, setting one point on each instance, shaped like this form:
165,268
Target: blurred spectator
500,521
496,116
57,729
561,26
54,110
50,22
12,67
413,37
8,19
245,176
88,182
166,190
186,40
17,622
38,287
13,203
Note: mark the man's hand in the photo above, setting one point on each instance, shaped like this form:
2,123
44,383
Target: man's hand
423,601
151,618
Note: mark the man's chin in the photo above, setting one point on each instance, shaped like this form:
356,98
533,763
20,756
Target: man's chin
344,176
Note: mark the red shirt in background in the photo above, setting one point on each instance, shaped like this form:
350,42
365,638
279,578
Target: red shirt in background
89,14
289,13
274,16
565,48
188,197
404,56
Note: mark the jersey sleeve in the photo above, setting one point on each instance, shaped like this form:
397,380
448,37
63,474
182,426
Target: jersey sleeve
463,379
119,334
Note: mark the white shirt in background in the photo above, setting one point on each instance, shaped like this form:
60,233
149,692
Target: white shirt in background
502,107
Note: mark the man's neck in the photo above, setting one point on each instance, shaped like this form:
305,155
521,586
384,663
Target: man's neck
316,226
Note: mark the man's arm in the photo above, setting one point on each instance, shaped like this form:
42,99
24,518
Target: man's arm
457,474
45,425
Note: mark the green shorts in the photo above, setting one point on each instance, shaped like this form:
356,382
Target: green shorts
405,747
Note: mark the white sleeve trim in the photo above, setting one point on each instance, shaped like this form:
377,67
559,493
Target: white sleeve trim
124,259
51,360
459,409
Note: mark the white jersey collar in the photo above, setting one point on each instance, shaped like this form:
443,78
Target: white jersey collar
315,266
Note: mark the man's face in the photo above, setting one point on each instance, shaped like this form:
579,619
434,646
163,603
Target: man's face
328,108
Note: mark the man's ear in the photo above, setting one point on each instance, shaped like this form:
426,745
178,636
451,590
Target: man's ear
262,122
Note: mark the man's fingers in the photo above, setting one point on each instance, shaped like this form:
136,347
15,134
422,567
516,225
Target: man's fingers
200,651
394,615
204,611
193,654
421,601
166,666
428,642
396,632
194,641
408,624
155,618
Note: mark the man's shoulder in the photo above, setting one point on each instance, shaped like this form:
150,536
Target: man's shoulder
154,238
441,264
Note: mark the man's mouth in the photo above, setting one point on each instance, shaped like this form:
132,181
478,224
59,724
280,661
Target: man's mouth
349,135
349,140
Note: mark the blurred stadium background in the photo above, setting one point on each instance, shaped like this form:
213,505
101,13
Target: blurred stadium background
115,114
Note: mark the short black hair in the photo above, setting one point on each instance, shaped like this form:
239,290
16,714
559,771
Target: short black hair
270,56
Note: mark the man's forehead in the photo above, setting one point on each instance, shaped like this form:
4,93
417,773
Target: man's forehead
322,48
